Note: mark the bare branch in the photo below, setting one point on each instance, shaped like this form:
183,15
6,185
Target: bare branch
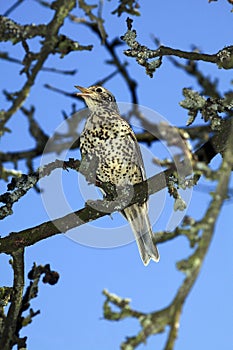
62,8
5,56
97,20
111,48
127,6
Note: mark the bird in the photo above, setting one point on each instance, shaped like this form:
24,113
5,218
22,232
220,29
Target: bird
109,139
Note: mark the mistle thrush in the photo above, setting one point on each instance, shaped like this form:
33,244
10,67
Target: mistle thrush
108,138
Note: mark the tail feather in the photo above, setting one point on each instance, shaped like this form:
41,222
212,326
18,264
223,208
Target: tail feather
137,215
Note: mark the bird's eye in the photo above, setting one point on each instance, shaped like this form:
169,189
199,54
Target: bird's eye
98,90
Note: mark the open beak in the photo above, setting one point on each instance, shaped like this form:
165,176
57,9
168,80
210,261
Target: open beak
84,91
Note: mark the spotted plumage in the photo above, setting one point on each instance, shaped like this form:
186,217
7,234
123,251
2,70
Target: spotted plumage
108,138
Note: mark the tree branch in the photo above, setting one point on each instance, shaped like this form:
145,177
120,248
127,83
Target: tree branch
62,9
223,58
8,337
34,234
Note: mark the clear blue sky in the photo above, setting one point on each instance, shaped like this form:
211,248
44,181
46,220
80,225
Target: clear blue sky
71,311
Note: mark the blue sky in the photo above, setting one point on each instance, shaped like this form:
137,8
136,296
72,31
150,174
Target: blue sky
71,311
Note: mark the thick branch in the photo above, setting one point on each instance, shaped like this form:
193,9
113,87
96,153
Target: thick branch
50,228
193,264
7,340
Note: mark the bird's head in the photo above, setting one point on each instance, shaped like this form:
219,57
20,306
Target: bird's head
97,98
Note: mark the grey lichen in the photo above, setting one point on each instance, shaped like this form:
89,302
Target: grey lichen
16,189
225,58
140,52
209,108
192,100
179,204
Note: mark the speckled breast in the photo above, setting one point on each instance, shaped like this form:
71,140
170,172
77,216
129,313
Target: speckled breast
110,141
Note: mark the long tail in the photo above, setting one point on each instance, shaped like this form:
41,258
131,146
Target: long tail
137,215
